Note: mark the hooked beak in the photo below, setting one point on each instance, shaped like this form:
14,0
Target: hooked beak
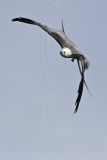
61,53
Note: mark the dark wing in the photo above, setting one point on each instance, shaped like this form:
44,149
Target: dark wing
29,21
80,90
63,27
58,35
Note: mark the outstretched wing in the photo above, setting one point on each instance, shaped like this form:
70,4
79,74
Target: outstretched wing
58,35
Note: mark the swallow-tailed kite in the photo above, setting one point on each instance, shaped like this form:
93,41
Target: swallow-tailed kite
68,50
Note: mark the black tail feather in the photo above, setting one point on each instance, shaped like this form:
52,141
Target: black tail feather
81,85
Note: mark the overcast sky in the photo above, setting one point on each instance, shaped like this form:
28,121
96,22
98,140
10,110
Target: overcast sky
38,87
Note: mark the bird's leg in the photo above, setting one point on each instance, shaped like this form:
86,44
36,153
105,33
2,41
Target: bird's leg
72,59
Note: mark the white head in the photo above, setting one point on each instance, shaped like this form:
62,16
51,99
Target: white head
66,52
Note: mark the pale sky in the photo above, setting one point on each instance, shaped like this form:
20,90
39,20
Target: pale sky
38,87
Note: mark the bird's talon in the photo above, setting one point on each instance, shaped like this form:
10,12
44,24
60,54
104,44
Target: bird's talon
72,60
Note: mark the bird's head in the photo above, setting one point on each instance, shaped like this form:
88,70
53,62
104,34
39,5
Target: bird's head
66,52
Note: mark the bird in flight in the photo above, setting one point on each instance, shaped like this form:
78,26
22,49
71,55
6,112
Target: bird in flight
68,50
